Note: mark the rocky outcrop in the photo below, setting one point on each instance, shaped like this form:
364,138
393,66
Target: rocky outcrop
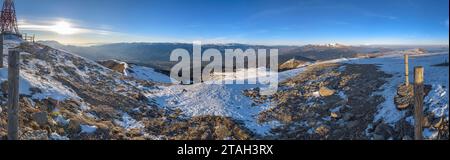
292,64
328,101
115,65
405,96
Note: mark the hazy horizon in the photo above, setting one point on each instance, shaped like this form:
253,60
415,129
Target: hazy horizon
263,22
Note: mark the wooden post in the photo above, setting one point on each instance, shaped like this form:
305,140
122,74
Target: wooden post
1,50
406,70
418,102
13,94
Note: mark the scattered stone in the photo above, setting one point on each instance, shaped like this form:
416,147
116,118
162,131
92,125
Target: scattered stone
353,124
405,91
322,130
347,116
3,136
74,126
4,87
28,102
222,131
61,131
35,135
384,129
439,123
41,118
325,92
426,122
336,115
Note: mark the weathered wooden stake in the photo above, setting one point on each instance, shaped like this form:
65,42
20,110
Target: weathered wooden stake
1,51
406,70
418,102
13,94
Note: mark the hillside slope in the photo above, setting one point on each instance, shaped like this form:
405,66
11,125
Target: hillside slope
64,96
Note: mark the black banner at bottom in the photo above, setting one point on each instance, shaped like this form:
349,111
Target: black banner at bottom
220,150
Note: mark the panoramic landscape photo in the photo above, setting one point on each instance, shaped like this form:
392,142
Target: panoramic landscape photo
224,70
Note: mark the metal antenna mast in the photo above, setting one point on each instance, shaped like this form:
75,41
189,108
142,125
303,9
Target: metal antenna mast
8,19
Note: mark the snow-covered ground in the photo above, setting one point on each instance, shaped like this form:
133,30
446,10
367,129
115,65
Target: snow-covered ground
28,79
437,100
149,74
228,99
219,99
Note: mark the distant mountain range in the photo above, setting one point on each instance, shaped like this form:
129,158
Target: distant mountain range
156,55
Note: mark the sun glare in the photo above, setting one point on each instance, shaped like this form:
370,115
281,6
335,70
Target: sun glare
64,28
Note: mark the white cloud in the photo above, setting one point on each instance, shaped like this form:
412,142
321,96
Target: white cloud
61,27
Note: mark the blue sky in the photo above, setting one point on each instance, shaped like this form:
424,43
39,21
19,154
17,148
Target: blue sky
291,22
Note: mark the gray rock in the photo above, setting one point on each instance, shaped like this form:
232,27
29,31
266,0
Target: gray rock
74,126
347,116
35,135
378,137
41,118
352,124
335,115
384,129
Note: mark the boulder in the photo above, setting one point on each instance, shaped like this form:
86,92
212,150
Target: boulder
426,122
322,130
405,97
74,126
115,65
41,118
384,130
347,116
404,90
325,92
335,115
439,123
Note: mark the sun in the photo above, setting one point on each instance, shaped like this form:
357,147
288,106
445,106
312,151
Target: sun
64,28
